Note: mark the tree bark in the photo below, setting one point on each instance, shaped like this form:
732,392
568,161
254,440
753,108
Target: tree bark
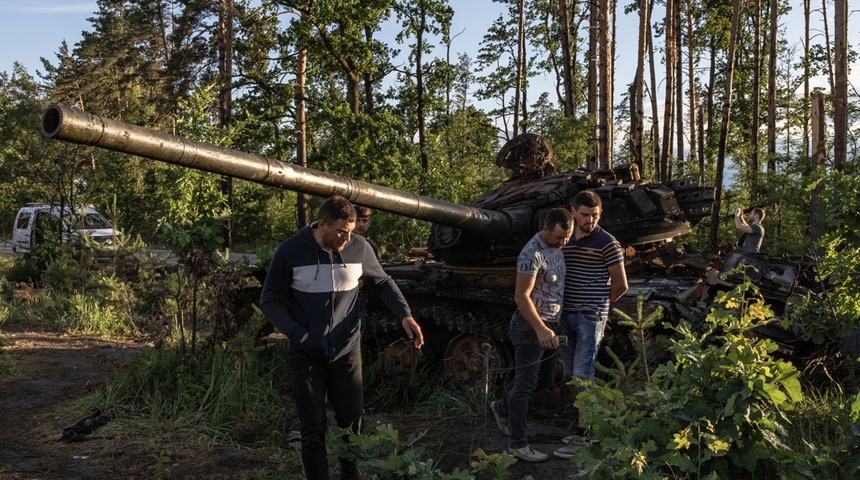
593,103
819,155
755,166
638,96
655,115
302,204
567,65
724,127
694,127
605,87
521,40
806,104
669,100
840,95
771,88
225,100
679,90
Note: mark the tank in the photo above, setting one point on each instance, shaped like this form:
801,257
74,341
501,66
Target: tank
460,287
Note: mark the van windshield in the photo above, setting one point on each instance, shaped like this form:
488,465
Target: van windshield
87,221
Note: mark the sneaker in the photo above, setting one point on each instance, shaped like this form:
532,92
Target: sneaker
528,454
565,452
501,422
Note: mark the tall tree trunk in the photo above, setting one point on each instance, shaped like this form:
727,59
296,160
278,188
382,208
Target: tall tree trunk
638,94
701,131
819,155
567,65
302,204
694,109
826,23
840,95
771,88
669,100
593,103
521,40
605,87
755,167
679,90
724,127
369,104
225,100
419,86
655,115
806,105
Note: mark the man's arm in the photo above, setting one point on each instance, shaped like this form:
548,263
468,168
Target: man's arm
618,281
522,295
740,223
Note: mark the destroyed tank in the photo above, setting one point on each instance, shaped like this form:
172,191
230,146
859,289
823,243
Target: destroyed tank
461,288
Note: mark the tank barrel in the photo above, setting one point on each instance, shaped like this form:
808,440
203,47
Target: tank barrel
76,126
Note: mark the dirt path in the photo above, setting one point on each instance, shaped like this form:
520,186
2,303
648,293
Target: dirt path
54,370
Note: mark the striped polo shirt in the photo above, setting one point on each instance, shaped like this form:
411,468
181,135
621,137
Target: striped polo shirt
586,282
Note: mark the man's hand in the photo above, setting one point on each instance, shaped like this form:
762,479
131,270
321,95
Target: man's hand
413,331
546,337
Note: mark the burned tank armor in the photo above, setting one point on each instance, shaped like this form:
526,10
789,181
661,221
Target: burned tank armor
462,293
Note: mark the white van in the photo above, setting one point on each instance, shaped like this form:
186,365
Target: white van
36,219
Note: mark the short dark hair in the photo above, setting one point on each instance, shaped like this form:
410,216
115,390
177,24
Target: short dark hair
362,211
559,216
758,211
586,198
336,208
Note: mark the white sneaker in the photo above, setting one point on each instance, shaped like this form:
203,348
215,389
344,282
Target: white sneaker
528,454
565,452
501,422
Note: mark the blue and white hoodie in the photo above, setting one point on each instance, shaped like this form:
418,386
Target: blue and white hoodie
311,290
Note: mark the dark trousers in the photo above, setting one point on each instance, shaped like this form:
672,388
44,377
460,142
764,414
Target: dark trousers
341,382
534,369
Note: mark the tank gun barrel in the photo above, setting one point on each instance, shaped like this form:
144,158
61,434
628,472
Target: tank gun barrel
76,126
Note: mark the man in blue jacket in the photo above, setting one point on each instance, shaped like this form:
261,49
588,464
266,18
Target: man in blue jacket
311,295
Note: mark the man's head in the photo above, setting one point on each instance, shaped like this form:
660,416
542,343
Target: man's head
557,227
586,208
362,220
336,220
757,215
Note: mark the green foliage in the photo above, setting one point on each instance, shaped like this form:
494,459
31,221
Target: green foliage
837,311
717,409
384,455
229,391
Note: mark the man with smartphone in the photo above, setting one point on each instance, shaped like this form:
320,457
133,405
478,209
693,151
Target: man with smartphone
538,294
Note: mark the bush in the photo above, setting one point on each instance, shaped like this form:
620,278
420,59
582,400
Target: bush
715,411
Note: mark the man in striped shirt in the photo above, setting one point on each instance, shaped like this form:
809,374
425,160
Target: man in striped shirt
594,279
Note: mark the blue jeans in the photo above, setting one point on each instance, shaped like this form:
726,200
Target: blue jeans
313,379
534,368
584,332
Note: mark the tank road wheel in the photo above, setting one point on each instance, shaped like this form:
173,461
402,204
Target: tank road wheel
469,355
399,358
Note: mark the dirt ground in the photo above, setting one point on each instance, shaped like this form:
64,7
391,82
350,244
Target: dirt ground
54,369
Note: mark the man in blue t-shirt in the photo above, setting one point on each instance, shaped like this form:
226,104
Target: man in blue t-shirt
538,294
594,278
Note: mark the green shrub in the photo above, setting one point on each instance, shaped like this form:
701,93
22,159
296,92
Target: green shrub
717,410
